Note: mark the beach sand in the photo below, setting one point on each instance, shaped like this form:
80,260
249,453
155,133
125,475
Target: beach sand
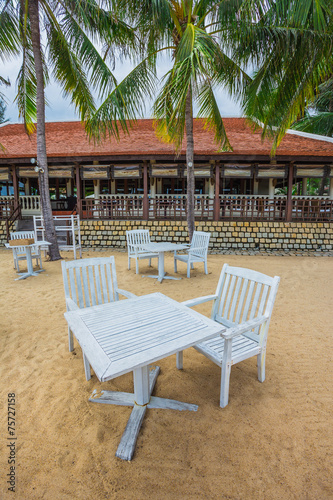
273,440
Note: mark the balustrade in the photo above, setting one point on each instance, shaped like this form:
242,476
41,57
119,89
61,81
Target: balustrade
173,207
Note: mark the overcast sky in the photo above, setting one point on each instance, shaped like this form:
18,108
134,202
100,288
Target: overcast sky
60,109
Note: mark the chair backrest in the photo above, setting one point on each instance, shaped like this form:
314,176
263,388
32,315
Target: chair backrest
136,239
89,282
18,235
199,243
244,294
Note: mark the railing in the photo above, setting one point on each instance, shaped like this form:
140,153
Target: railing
173,207
7,207
252,207
16,214
130,207
113,207
30,204
314,209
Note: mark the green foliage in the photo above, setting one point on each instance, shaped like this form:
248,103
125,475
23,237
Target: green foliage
70,55
2,111
318,117
291,47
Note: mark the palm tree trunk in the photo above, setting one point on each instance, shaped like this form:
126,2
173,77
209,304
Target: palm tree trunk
43,177
189,163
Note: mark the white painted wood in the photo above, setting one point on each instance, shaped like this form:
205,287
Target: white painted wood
160,248
89,282
179,360
136,240
141,385
243,303
63,224
19,253
197,252
170,404
28,249
128,440
138,332
128,336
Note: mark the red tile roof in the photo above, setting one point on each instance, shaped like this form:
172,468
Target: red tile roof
68,139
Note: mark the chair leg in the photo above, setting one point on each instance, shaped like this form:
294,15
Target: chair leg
261,361
137,266
188,269
179,360
175,263
206,268
149,262
70,340
129,263
86,367
225,373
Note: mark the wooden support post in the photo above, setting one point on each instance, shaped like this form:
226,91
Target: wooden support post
145,205
78,190
16,188
217,193
289,193
57,189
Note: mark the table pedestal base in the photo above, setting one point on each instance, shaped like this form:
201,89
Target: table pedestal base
127,443
160,278
22,276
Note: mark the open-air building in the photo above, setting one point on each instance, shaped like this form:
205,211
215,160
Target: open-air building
141,177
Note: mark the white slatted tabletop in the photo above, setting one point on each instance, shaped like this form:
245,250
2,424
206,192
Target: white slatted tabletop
129,335
161,247
120,336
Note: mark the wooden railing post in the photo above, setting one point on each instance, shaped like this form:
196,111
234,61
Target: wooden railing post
289,192
78,190
217,192
16,188
145,205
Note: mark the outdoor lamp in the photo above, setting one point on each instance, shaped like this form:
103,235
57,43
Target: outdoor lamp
37,168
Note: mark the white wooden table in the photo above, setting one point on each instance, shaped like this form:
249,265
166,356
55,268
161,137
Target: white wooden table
30,271
161,248
129,335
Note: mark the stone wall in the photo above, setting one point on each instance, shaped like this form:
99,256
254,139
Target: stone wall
3,234
225,236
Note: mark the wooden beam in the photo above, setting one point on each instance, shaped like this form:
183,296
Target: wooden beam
289,192
16,187
217,192
145,206
78,190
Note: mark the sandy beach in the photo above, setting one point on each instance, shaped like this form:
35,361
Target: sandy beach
273,441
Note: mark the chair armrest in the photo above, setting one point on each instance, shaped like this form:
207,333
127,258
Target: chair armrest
234,331
198,300
129,295
71,306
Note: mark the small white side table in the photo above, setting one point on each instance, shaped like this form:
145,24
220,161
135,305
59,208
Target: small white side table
28,248
160,248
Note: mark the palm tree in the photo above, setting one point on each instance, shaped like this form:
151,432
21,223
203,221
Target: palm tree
70,27
290,45
194,35
318,115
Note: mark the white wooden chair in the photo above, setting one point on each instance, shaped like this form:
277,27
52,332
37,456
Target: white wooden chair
196,253
136,239
243,302
90,282
20,253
